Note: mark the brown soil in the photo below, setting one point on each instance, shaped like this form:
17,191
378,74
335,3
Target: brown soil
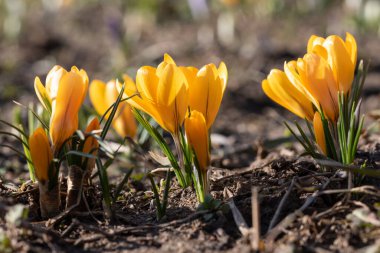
252,147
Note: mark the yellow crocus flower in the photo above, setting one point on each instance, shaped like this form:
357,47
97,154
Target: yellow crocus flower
42,157
340,55
319,132
206,89
197,135
312,76
102,96
278,88
66,91
41,154
163,93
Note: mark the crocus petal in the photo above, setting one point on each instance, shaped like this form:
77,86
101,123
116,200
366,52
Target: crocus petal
319,132
279,89
168,59
41,154
64,120
83,74
313,41
125,123
206,93
169,85
223,74
146,82
140,102
52,80
97,94
42,94
172,98
323,86
340,62
197,135
91,144
292,72
351,47
190,74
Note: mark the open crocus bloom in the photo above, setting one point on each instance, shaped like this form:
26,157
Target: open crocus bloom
66,92
278,87
340,55
41,154
327,69
102,96
197,135
162,93
206,89
313,77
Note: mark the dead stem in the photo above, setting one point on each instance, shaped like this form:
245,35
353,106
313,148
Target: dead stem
51,222
255,240
273,222
50,200
277,230
74,180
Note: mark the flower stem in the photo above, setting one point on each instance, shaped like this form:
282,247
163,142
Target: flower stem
177,143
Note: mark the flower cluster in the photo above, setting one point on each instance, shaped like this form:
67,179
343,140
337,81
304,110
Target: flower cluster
321,87
184,101
175,96
62,97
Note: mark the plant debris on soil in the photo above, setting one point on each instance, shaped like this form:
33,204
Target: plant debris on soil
303,207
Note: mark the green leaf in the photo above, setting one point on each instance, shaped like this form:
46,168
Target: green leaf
30,164
20,130
34,113
108,123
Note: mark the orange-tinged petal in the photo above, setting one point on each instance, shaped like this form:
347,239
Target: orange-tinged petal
340,62
293,71
190,74
279,89
206,93
321,51
351,47
111,93
85,80
323,86
97,93
313,41
168,59
197,135
41,154
140,102
52,80
319,132
223,74
125,123
147,82
91,144
64,120
42,94
169,85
